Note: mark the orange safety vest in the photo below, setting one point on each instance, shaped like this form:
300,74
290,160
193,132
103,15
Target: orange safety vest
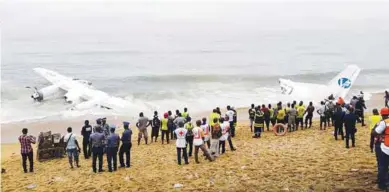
386,133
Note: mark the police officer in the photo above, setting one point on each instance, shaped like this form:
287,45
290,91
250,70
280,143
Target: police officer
97,141
258,122
125,148
112,149
251,116
382,128
350,120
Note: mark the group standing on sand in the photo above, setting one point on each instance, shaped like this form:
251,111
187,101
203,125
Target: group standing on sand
211,137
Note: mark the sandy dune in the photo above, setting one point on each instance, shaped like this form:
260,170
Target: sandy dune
309,160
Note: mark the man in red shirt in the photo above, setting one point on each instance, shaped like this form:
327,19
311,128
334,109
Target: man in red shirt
26,149
266,115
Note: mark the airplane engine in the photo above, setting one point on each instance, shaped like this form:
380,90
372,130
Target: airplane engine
72,97
45,92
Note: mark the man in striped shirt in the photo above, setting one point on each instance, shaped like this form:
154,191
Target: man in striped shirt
26,149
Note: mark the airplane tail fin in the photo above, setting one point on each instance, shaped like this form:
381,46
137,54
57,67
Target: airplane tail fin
341,84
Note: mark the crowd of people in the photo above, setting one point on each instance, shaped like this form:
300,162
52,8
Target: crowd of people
210,134
102,139
295,116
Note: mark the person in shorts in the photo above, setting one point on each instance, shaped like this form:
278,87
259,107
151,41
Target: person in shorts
142,124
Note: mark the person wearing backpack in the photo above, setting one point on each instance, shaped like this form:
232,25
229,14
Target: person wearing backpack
216,134
156,124
189,136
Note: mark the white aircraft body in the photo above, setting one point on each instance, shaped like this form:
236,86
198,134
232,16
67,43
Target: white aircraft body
79,93
339,86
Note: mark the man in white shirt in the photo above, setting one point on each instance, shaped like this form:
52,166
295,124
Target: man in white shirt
322,112
383,158
230,115
207,132
222,141
181,142
72,147
198,142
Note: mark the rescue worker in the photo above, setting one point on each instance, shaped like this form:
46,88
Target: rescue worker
181,143
375,141
266,115
185,114
216,134
222,140
86,131
349,124
258,122
206,132
309,111
322,112
280,115
189,135
291,120
156,124
338,121
198,142
382,128
272,115
300,116
113,142
251,116
386,98
373,120
214,115
165,128
142,124
125,148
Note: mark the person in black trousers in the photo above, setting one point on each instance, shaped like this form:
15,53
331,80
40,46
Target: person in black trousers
349,123
338,121
86,131
126,146
97,140
112,149
26,149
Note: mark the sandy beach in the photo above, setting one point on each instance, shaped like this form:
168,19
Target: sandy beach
309,160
